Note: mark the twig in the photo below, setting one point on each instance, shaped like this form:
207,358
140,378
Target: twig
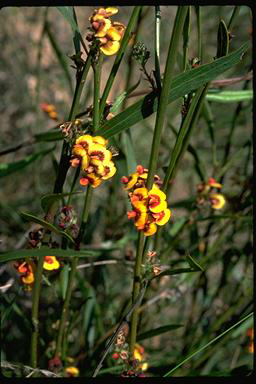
93,264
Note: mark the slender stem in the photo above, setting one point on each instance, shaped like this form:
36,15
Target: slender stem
157,46
85,214
136,289
65,307
199,31
171,59
179,145
163,101
186,34
66,153
35,308
73,184
119,57
233,17
96,95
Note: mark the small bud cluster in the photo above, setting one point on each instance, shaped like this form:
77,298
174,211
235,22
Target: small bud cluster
140,53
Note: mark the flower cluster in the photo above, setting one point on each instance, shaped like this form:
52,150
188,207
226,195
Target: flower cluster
149,206
26,269
50,110
108,33
205,192
91,154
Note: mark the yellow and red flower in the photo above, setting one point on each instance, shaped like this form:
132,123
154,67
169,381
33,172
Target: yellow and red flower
95,160
149,207
217,200
139,355
25,269
50,263
72,371
108,33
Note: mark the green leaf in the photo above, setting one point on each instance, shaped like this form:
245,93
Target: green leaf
51,135
67,12
207,345
230,96
193,264
30,217
59,54
48,199
158,331
222,40
177,225
8,168
119,100
45,251
181,85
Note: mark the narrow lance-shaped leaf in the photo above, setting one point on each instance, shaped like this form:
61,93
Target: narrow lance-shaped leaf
158,331
45,251
8,168
180,86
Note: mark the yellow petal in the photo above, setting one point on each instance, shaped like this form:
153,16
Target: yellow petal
78,150
141,220
218,201
85,162
50,263
100,140
132,181
161,218
29,279
111,11
113,34
110,48
98,166
99,152
150,229
109,170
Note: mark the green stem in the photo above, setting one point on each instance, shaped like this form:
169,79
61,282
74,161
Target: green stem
186,34
233,17
85,214
119,58
66,153
136,289
96,95
157,46
163,100
199,31
35,309
207,345
65,307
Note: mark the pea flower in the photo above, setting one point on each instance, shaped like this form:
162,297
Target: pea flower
72,371
205,192
149,207
94,159
138,355
26,273
50,263
106,32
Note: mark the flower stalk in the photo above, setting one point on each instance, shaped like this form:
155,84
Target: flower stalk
171,59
